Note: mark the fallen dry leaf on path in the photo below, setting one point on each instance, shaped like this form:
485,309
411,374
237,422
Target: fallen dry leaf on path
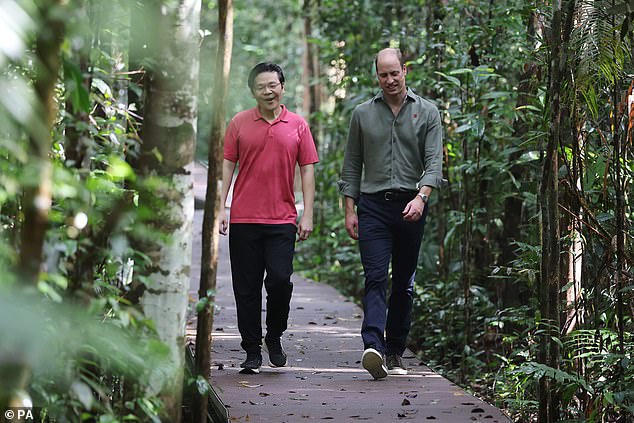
246,384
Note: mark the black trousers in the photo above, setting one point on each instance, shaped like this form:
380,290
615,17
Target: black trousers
255,249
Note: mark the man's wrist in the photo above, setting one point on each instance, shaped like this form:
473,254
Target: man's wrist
349,205
423,197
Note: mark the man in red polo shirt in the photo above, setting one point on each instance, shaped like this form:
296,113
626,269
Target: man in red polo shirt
267,142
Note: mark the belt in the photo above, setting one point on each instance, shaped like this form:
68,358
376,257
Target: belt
393,195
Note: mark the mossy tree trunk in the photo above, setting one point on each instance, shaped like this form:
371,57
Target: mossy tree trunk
165,184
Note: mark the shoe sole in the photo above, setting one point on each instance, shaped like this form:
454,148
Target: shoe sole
373,363
277,365
396,371
247,371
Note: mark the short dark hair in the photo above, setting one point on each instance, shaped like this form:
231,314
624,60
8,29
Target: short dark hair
265,67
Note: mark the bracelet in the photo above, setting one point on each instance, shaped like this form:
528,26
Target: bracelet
423,197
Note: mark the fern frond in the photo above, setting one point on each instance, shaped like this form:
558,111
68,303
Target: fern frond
596,45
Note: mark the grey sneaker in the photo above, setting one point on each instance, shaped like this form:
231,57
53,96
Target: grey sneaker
277,355
374,363
395,365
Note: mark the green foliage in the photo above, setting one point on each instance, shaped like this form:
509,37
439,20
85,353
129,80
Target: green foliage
87,351
78,361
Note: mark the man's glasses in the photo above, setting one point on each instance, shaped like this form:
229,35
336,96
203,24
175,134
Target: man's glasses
262,88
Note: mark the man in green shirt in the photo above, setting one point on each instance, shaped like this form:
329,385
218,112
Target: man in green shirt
392,163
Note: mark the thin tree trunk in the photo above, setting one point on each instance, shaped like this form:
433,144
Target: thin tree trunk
37,194
550,283
548,191
435,13
509,294
310,63
481,248
166,161
443,260
37,197
209,260
312,106
574,256
467,254
620,213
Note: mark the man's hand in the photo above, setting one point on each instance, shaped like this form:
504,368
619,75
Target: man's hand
413,211
223,222
305,227
352,220
352,224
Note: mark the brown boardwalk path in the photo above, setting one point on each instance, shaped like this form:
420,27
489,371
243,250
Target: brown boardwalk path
323,380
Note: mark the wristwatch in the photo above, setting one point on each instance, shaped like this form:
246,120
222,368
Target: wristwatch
423,197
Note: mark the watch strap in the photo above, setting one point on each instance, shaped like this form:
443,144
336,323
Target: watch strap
423,197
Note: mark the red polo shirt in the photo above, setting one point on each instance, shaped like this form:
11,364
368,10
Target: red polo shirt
267,154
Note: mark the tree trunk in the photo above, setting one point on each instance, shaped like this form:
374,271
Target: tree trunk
510,295
550,282
621,225
166,188
443,252
435,13
575,250
37,192
209,260
310,76
37,197
481,256
466,253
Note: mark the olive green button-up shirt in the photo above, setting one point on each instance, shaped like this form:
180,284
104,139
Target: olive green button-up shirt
392,153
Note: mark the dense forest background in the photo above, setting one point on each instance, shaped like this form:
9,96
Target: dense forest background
524,289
